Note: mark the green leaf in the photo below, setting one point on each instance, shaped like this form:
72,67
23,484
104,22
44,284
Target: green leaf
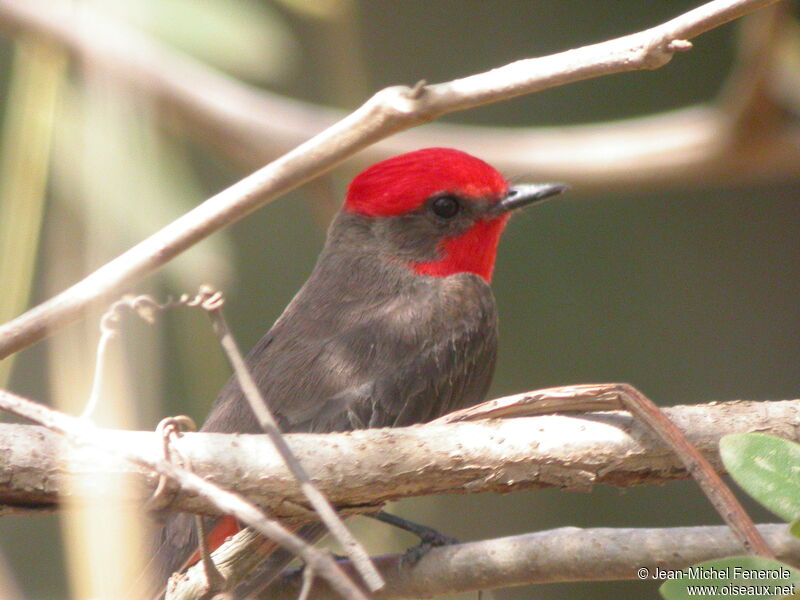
731,578
767,468
795,528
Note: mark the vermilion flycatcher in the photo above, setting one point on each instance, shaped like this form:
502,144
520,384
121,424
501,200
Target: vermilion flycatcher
396,324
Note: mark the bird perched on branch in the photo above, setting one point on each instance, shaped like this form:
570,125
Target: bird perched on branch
396,324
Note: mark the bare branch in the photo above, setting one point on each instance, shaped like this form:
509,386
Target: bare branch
389,111
82,433
610,396
360,470
566,554
254,126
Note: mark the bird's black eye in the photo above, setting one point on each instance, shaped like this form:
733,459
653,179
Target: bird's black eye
445,207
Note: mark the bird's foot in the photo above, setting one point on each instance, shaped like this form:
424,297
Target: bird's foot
414,554
432,540
429,537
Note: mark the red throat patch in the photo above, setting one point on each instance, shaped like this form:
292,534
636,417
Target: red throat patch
472,252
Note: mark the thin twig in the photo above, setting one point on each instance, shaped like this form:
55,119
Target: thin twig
215,582
172,428
109,325
106,335
715,489
389,111
160,499
253,126
308,581
269,425
81,432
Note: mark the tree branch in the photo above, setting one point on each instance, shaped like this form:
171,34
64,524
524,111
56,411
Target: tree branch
389,111
360,470
83,433
253,126
565,554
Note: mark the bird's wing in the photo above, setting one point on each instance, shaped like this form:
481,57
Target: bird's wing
406,361
400,362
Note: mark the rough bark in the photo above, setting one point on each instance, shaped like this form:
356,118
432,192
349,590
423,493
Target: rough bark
360,470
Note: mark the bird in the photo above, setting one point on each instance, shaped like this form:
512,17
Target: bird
396,324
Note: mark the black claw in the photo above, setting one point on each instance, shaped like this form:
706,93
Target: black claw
435,539
414,554
430,540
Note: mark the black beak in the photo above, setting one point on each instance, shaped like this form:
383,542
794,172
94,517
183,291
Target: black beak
527,193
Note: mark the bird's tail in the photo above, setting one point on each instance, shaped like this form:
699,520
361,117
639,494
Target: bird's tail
277,562
177,550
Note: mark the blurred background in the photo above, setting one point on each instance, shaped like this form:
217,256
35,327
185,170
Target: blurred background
672,264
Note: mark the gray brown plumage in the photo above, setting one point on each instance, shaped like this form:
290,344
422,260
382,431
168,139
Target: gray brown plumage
396,324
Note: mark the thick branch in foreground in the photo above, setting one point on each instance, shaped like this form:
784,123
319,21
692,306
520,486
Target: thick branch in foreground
566,554
81,432
388,112
360,470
